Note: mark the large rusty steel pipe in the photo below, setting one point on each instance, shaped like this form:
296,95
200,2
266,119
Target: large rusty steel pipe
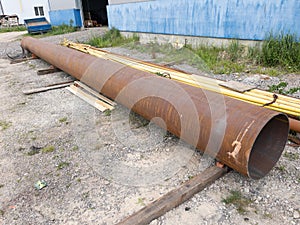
294,125
247,138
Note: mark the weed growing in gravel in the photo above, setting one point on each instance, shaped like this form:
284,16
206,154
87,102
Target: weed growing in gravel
1,185
75,148
280,168
291,156
107,112
280,88
4,125
48,149
111,38
141,201
63,120
62,165
267,215
1,212
238,200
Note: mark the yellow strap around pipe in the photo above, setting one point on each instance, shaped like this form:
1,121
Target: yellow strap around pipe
255,96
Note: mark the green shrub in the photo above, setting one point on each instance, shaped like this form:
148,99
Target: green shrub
11,29
111,38
281,50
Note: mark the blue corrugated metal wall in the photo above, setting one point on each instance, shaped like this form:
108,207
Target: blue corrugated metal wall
60,17
241,19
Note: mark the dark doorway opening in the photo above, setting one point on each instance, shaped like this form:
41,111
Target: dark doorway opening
94,12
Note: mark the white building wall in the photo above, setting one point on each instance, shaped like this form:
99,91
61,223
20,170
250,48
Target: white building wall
113,2
62,4
24,8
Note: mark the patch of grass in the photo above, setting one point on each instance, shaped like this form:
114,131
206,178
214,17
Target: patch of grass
278,88
141,201
280,168
111,38
254,54
75,148
267,215
238,200
235,51
32,66
63,119
63,29
168,54
107,112
276,55
62,165
48,149
291,156
190,177
33,138
12,29
227,67
281,88
209,54
282,50
5,125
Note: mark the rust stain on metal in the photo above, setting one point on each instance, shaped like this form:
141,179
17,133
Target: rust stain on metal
185,110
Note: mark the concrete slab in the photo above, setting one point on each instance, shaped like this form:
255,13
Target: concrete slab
11,36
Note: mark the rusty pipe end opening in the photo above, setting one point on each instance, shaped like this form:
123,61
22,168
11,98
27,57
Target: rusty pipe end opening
268,146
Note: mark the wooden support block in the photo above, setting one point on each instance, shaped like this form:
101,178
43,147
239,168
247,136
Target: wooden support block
294,139
51,69
47,88
21,60
100,105
93,92
175,197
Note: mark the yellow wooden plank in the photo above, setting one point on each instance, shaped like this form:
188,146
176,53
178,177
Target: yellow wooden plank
98,104
93,92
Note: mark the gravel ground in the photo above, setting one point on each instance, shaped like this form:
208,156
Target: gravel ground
100,167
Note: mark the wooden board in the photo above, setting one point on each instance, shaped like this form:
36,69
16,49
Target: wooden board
14,61
237,86
47,71
93,92
98,104
47,88
175,197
